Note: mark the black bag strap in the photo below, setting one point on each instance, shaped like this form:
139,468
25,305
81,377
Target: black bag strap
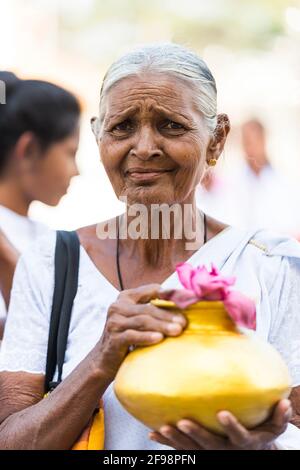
65,289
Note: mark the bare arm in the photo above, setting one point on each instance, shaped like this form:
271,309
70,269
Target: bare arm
8,260
28,422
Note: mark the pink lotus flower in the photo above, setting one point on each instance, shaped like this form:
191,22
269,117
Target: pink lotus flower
200,284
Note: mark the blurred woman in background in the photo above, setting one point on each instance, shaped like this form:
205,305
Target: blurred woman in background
39,132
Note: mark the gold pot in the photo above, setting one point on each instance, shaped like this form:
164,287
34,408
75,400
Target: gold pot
212,366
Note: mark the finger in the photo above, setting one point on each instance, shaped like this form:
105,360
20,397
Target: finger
203,438
164,314
142,294
261,436
236,432
165,294
157,437
136,338
282,414
144,323
177,439
129,310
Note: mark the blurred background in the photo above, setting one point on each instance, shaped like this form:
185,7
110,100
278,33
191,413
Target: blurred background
252,48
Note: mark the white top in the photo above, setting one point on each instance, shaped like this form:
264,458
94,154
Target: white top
270,274
20,231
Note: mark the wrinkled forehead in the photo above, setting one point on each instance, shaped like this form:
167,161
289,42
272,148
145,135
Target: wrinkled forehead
149,92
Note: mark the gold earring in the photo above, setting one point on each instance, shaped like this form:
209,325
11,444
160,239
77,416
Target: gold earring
212,162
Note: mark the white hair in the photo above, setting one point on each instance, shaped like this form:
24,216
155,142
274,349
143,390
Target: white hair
172,59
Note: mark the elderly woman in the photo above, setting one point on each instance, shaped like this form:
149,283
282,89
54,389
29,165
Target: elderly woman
158,131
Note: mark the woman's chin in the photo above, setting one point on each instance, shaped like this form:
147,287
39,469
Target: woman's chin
148,196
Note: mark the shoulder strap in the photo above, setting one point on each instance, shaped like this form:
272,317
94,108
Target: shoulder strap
65,289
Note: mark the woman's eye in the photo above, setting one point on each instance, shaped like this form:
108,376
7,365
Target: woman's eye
124,126
173,125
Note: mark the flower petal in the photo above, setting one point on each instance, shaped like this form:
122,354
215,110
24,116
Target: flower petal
181,297
241,309
214,270
184,271
200,279
201,284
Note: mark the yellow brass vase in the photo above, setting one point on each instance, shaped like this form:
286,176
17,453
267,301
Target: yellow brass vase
212,366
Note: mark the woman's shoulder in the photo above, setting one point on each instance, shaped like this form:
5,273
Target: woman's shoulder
102,230
100,237
278,260
272,257
42,250
35,269
273,244
261,242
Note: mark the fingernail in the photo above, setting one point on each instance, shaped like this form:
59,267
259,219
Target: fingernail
179,319
174,328
286,403
223,418
183,426
164,431
157,336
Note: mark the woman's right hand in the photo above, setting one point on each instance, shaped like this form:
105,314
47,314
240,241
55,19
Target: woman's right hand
133,321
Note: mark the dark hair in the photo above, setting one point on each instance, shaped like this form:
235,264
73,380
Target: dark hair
47,110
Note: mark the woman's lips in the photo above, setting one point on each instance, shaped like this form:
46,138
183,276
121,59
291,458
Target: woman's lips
146,175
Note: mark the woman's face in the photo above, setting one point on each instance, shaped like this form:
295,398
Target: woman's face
153,140
47,176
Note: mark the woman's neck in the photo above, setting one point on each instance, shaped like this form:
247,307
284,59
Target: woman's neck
162,237
12,197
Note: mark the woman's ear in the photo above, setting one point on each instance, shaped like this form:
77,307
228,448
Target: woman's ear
218,139
95,125
27,150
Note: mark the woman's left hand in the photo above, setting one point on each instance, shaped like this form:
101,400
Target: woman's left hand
189,435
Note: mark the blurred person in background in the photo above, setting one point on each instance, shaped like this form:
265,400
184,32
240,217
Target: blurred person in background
254,194
39,133
213,196
261,197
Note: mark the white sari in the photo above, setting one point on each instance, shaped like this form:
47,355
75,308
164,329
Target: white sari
267,268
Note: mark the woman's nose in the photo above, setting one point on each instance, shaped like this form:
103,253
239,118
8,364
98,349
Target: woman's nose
146,146
73,168
75,171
